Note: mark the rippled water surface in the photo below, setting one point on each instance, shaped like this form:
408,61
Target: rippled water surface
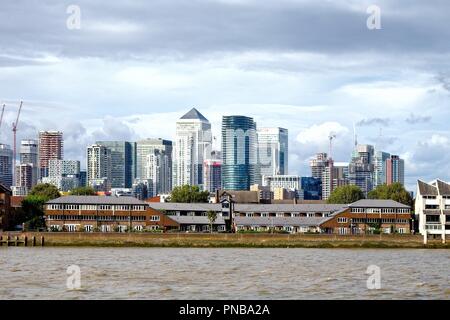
151,273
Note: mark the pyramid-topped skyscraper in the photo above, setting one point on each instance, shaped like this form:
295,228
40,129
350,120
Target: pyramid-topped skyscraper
192,143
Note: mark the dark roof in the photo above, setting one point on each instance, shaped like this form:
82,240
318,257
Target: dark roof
196,220
280,221
444,188
377,203
96,200
5,188
194,114
426,189
240,207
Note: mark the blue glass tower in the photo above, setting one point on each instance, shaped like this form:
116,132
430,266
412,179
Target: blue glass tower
239,153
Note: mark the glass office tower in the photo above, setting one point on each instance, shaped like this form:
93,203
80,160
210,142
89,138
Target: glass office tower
239,153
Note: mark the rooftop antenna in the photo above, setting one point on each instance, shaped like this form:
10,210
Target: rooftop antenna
355,136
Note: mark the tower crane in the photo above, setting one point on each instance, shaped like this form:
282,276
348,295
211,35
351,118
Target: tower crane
14,129
331,137
1,117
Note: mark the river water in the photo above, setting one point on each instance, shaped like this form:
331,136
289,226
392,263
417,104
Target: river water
179,273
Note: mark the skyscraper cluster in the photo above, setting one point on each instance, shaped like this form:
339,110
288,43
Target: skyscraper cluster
248,158
368,168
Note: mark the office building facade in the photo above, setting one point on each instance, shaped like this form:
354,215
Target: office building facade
6,165
99,167
239,153
273,151
123,162
395,170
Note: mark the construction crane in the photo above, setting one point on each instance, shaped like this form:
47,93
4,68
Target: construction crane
1,117
331,137
14,129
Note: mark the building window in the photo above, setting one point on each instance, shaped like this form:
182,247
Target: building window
342,220
342,230
155,218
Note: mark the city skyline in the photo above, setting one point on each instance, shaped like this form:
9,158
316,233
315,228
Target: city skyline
101,89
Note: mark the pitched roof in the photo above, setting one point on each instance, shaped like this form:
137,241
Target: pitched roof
96,200
426,189
377,203
443,187
195,220
194,114
240,207
5,189
280,221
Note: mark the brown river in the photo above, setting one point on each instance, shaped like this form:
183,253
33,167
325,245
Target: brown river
267,274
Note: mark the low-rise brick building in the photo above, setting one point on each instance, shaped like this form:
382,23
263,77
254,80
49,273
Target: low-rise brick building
5,206
104,214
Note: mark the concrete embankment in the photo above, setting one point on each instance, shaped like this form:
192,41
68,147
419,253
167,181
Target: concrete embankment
230,240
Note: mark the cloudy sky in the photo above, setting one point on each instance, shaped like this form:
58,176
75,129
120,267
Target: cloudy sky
134,67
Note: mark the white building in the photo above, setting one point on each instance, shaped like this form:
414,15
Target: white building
64,174
273,151
433,207
157,171
193,141
99,167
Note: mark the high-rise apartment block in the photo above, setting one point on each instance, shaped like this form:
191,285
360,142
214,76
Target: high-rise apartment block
395,170
99,167
64,174
50,147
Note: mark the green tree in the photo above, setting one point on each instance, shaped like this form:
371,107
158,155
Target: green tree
46,190
395,191
188,194
33,211
212,217
346,194
83,191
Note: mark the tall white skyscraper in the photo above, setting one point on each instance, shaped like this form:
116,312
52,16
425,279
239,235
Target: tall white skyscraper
193,141
273,151
99,167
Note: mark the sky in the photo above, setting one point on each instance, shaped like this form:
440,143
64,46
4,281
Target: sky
132,68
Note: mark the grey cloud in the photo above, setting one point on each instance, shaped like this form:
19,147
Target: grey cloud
415,119
179,28
374,121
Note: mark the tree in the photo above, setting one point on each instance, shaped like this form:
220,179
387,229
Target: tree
395,191
83,191
346,194
33,211
46,190
212,217
188,194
